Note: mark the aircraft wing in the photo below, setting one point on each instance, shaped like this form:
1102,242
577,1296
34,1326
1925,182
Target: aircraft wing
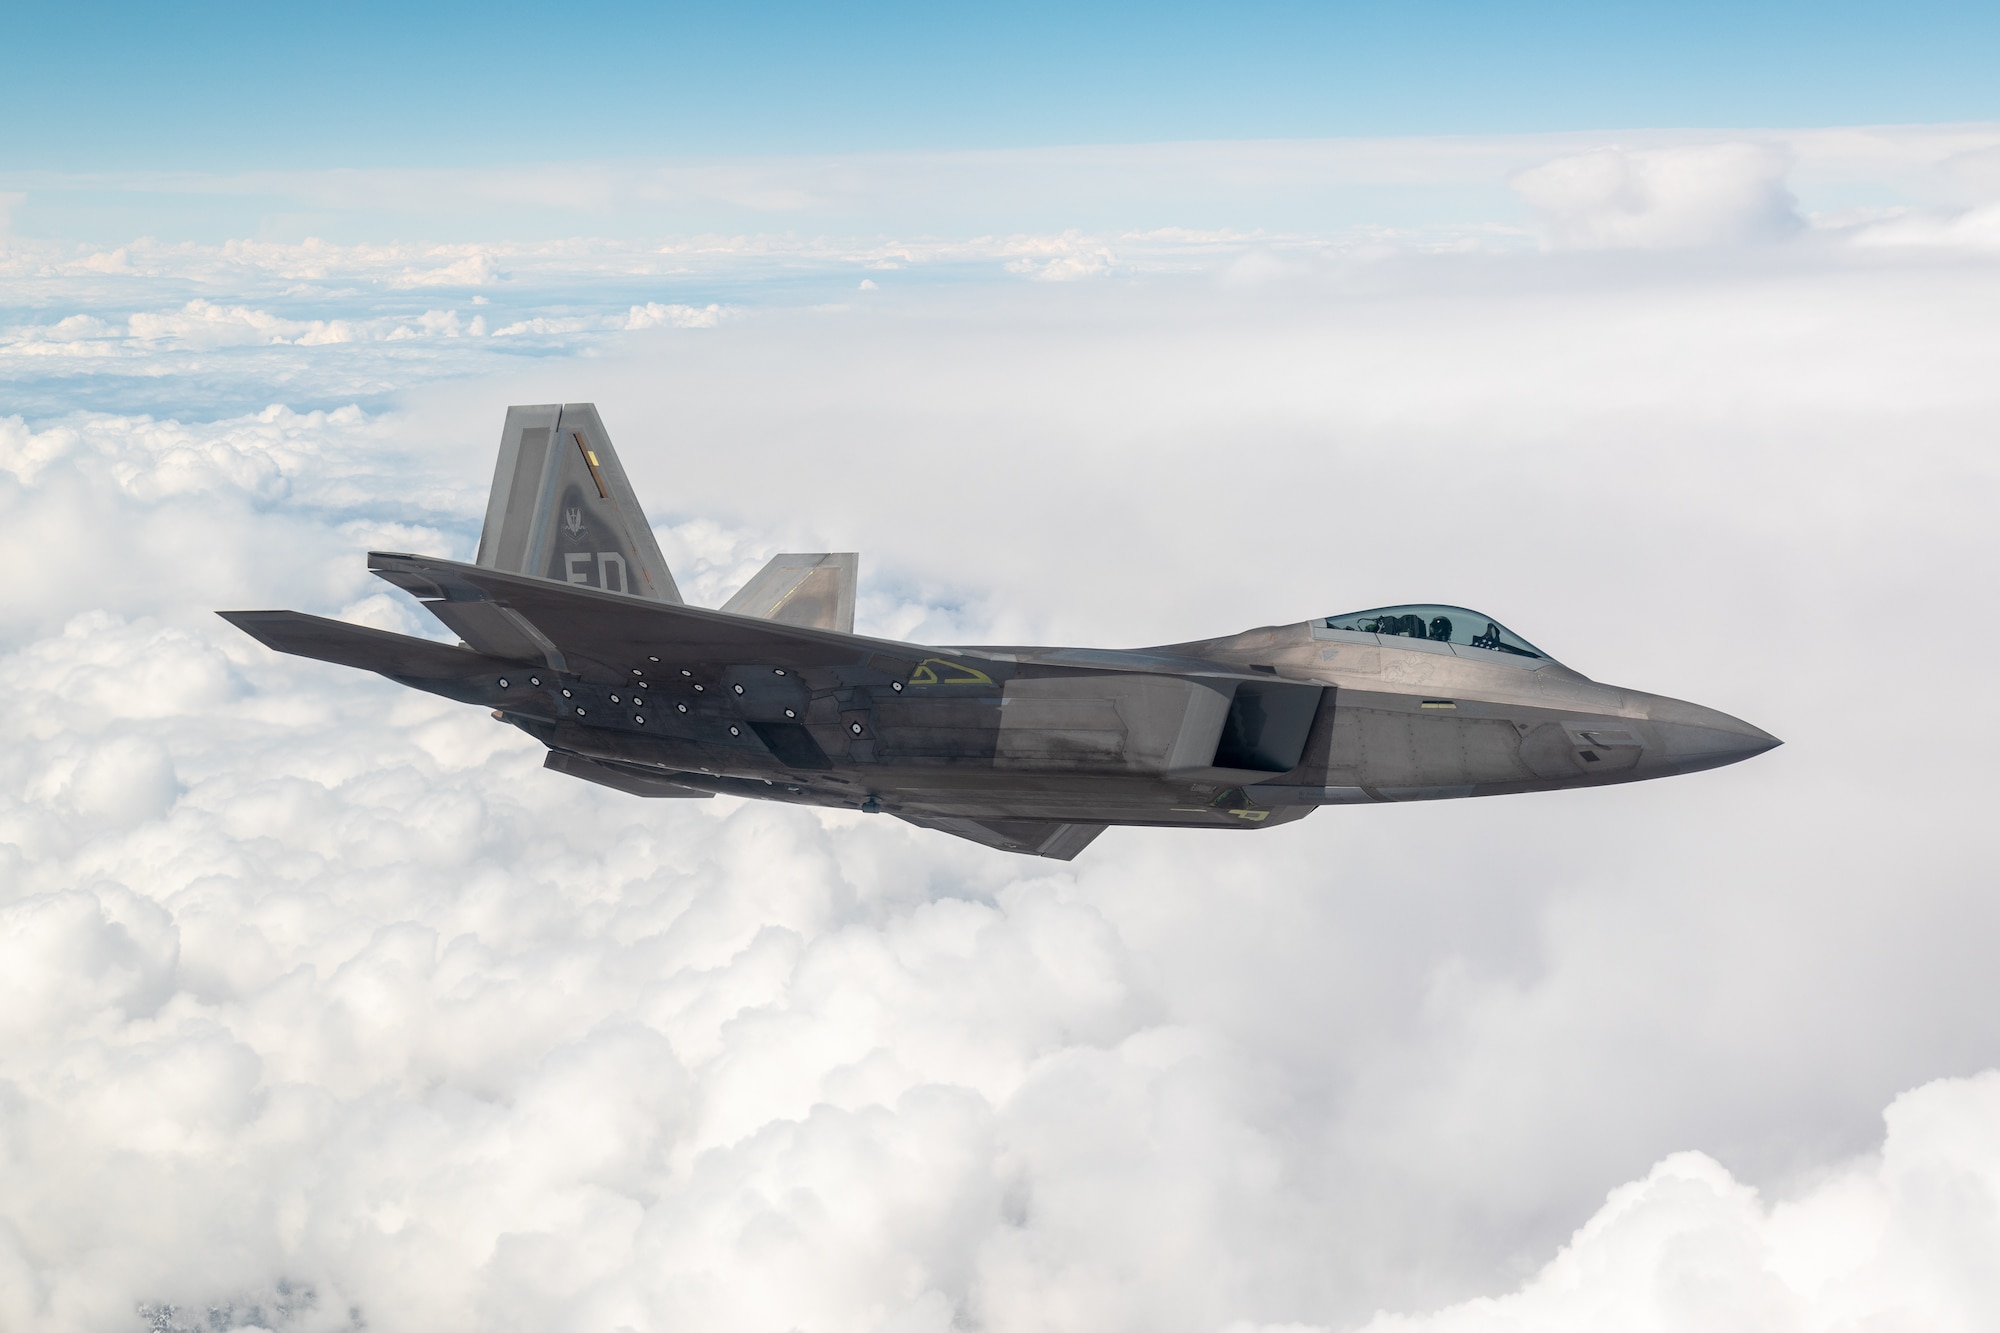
632,779
1030,837
611,636
337,641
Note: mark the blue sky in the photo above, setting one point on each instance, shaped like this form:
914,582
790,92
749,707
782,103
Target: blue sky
234,86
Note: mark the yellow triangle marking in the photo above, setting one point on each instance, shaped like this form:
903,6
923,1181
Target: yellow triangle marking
956,673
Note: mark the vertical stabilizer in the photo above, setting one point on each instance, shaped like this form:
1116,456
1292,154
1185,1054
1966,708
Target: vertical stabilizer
815,591
561,508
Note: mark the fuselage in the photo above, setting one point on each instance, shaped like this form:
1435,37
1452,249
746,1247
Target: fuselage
1417,720
1139,736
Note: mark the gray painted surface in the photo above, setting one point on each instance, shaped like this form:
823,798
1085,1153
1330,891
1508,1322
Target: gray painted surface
816,591
562,508
573,630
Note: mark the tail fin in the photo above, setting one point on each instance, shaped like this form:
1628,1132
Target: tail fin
561,508
812,591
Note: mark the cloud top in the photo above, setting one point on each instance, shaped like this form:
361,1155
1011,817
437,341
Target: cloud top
322,1006
1662,198
1903,1238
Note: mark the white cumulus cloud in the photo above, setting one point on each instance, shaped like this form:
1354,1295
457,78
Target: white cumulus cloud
324,1007
653,315
1709,194
1903,1238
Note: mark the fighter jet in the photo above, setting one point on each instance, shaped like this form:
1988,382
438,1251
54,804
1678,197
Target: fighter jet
571,628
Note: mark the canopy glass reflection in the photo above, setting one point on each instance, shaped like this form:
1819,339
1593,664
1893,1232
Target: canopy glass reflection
1438,624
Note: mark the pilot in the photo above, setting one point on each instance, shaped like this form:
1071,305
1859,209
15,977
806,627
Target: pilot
1441,628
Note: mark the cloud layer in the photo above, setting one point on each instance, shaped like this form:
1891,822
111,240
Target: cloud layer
1718,194
323,1007
1297,186
1903,1238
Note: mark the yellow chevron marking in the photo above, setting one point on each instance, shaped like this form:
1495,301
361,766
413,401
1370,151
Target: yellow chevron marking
927,673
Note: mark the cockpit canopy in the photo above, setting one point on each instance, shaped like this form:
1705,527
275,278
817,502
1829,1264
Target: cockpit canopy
1439,624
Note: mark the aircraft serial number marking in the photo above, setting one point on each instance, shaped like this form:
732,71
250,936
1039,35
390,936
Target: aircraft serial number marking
606,562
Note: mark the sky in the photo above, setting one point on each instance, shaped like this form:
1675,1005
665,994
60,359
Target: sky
231,85
323,1007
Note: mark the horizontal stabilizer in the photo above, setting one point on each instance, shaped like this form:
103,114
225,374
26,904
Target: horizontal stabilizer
815,590
1030,837
605,636
633,779
343,644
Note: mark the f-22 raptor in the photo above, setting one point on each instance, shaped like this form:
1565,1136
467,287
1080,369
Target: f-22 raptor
572,629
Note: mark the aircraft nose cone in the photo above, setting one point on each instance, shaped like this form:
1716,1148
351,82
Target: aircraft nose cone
1693,738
